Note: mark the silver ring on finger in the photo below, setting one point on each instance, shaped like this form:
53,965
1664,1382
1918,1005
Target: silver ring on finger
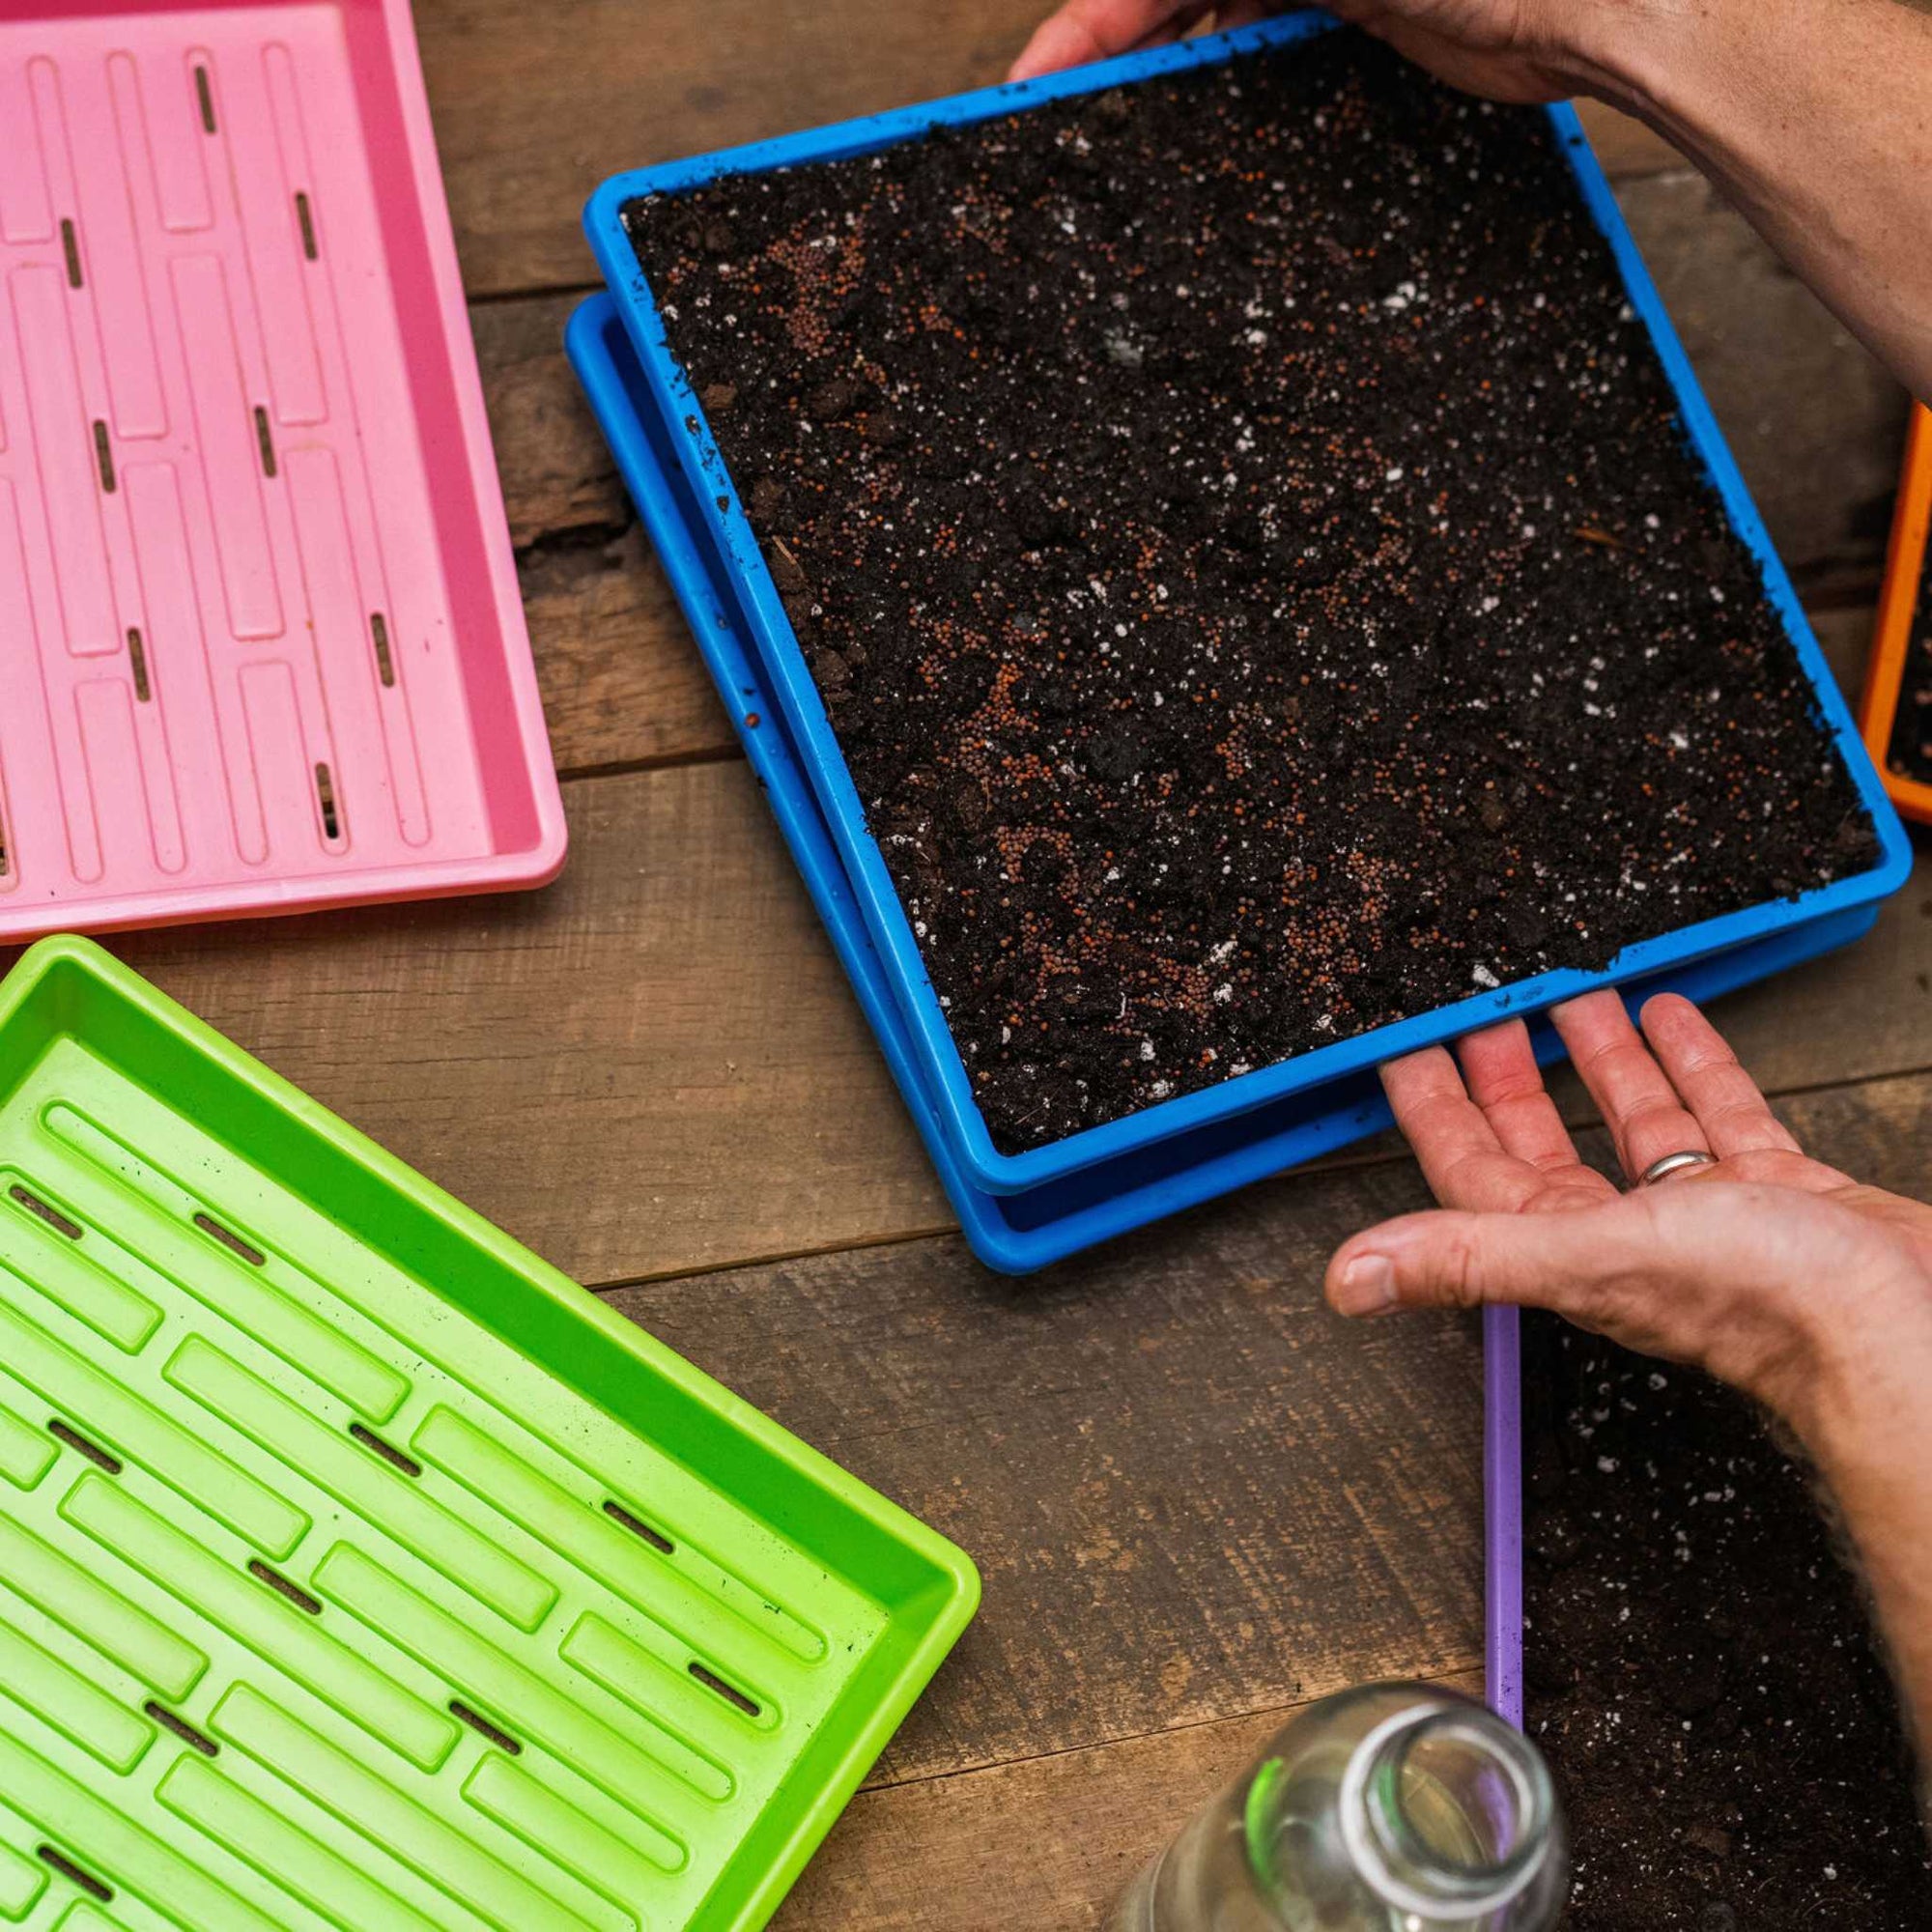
1675,1163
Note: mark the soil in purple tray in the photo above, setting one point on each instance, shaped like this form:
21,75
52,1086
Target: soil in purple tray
1246,548
1700,1667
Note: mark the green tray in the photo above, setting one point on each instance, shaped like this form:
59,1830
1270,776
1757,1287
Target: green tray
356,1569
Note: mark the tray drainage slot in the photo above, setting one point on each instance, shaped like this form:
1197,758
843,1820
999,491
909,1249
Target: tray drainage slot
230,1239
204,94
325,792
182,1728
264,440
617,1513
94,1887
137,663
81,1444
305,218
43,1210
103,456
70,248
379,631
5,862
730,1692
483,1727
388,1450
283,1588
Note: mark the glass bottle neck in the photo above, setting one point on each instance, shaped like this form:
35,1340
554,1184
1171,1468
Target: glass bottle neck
1449,1811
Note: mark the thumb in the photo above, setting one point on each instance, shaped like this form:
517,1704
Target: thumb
1570,1262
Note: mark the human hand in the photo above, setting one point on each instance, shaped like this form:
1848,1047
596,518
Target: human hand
1770,1270
1517,50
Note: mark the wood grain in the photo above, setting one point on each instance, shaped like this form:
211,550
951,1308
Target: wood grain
1047,1844
1625,146
622,683
1193,1494
1191,1490
656,1065
535,105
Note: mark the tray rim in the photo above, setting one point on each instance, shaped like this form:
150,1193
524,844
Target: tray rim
502,868
889,928
945,1605
1898,603
595,337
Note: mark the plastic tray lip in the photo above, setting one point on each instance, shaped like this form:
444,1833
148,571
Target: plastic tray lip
945,1608
541,862
891,931
600,349
1898,605
533,864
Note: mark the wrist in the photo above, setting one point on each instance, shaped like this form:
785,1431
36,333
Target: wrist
1868,1366
1660,60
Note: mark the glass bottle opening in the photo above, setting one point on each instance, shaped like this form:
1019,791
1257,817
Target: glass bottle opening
1456,1806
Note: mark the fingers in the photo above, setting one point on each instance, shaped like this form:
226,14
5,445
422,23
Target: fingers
1505,1082
1461,1158
1091,30
1645,1117
1734,1115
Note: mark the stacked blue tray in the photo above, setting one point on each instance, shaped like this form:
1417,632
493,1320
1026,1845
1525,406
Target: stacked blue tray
1020,1212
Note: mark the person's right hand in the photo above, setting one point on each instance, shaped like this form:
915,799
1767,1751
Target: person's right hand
1772,1270
1517,50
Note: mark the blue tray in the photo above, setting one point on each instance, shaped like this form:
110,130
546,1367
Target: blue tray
726,535
1020,1231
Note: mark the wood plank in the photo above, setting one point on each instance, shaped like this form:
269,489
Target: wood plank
1193,1493
1168,1409
1191,1490
1625,146
535,105
656,1065
1078,1828
621,681
1815,425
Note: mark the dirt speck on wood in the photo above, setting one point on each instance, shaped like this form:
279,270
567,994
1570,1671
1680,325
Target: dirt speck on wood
1247,550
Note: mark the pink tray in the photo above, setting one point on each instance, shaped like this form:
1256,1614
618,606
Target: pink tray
261,646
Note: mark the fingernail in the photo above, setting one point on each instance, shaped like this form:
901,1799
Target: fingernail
1366,1285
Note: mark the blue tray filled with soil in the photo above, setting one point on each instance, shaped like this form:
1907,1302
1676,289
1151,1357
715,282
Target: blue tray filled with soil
1211,1064
1014,1233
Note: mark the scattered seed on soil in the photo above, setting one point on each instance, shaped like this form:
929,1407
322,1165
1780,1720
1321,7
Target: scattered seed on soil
1700,1669
1247,550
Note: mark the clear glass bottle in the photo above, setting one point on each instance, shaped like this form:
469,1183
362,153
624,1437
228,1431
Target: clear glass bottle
1397,1808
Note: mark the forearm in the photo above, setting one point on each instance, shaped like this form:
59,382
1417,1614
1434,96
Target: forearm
1815,118
1871,1434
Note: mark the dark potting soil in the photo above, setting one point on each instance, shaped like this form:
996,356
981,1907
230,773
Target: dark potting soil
1246,548
1910,752
1701,1671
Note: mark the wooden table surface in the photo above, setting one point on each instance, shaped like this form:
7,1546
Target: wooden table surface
1196,1497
